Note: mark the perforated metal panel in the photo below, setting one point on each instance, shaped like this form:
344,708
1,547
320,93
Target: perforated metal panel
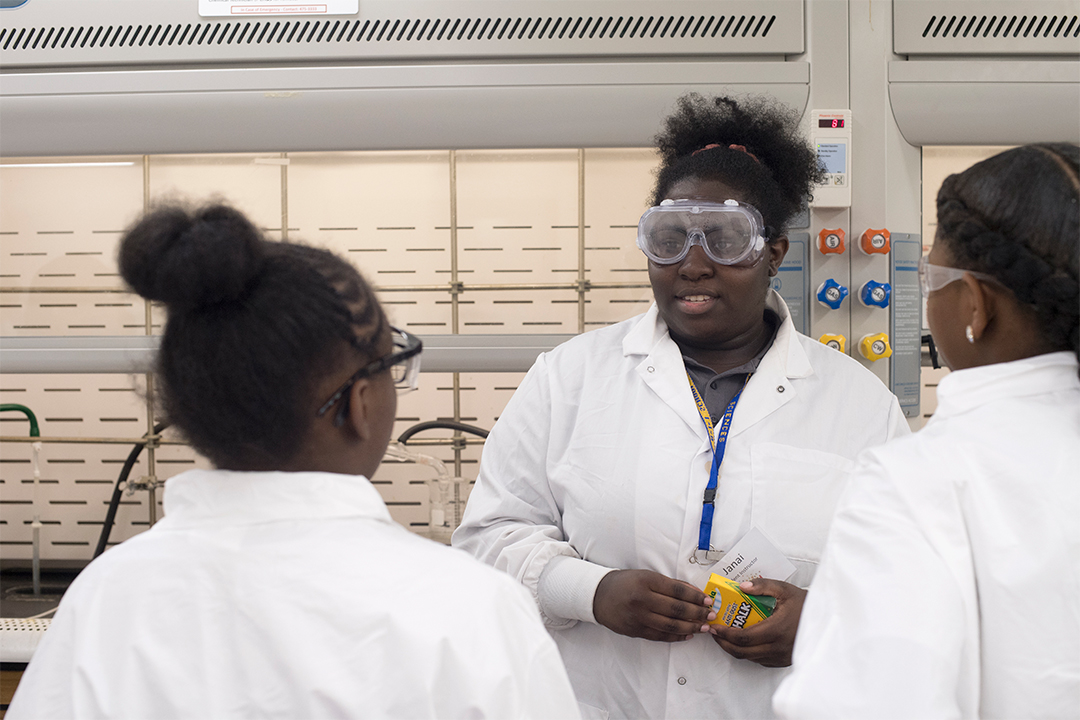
110,32
515,245
986,27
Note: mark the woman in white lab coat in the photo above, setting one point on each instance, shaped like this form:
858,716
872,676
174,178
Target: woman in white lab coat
951,582
277,585
593,484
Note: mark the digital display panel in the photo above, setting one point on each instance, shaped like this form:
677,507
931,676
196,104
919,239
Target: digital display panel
830,122
833,157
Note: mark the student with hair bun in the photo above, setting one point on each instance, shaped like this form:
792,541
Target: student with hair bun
951,581
599,488
277,585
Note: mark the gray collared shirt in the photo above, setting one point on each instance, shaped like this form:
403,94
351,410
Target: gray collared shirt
717,390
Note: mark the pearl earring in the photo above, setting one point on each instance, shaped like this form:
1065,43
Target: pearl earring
970,334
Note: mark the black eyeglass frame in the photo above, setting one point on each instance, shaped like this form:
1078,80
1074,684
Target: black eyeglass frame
412,348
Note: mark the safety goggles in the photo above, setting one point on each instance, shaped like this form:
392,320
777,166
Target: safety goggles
934,277
730,233
403,363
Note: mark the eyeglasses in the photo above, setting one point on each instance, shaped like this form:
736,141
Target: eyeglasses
730,233
934,277
403,363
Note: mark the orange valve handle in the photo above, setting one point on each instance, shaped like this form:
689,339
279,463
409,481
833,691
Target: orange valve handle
875,242
831,241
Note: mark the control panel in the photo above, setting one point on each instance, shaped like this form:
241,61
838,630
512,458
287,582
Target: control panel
862,295
830,133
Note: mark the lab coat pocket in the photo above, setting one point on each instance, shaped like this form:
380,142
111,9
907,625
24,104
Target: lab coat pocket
794,498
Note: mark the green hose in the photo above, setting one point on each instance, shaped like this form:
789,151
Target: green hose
36,524
34,431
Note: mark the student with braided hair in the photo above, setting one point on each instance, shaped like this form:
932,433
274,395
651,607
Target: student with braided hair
950,585
277,584
599,487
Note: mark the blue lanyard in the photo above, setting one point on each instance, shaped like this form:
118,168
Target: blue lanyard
719,444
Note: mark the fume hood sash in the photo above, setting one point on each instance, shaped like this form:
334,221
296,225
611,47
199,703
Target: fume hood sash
385,107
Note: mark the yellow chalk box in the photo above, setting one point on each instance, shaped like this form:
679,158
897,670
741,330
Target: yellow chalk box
733,607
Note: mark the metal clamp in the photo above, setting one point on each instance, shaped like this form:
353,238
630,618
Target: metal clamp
706,557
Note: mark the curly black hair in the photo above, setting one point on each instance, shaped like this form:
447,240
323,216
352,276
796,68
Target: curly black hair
1016,217
777,171
252,326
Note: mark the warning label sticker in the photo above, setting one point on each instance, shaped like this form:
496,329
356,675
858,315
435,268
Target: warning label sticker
219,8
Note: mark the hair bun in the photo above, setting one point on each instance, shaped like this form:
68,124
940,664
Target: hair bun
191,258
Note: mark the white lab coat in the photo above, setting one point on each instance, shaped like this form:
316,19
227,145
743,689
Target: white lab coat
951,582
602,455
290,595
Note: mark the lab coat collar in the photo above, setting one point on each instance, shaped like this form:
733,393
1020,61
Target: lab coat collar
964,390
663,370
770,387
791,359
224,497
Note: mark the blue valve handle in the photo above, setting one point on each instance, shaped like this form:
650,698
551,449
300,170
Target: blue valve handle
875,294
831,294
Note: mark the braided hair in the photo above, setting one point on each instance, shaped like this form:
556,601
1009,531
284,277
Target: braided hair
1016,217
774,166
252,327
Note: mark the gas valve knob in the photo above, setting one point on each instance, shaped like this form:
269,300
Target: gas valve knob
875,294
831,241
875,241
836,342
831,293
875,346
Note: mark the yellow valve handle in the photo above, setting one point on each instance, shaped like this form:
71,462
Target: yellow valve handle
836,342
875,346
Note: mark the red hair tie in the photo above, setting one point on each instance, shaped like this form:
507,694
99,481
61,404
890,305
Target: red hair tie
740,148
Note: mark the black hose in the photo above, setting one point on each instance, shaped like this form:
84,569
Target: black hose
118,491
928,340
441,425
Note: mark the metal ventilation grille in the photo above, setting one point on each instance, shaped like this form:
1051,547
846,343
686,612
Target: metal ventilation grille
419,30
986,27
1003,26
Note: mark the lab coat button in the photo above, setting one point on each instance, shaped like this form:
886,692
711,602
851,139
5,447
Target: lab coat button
682,681
652,369
779,388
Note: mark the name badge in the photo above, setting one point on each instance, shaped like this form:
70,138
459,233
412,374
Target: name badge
752,557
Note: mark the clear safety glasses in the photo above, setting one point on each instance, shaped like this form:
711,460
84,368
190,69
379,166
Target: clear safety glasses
403,363
934,277
730,233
